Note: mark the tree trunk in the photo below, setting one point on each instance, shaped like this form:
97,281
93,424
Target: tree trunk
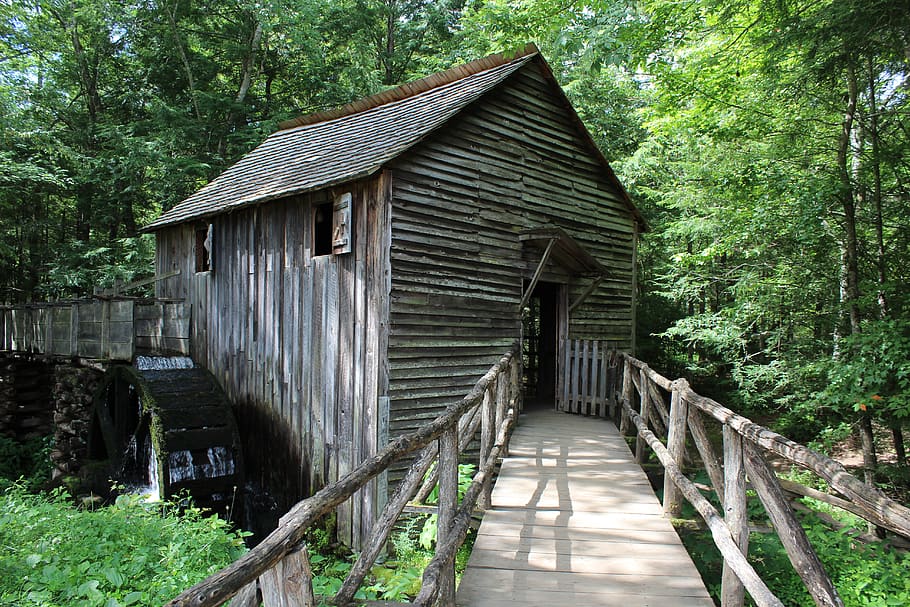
898,434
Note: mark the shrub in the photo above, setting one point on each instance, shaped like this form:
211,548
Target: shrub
131,553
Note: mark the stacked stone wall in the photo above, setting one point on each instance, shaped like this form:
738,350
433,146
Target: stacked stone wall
73,390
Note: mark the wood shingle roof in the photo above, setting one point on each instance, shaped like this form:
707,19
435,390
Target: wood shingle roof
330,148
352,142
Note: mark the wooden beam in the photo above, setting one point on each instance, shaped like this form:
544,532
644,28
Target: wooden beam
543,262
581,298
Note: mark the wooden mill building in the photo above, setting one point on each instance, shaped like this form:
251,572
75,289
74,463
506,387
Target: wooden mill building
362,267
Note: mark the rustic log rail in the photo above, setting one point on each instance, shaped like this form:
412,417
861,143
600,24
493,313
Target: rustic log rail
744,446
278,567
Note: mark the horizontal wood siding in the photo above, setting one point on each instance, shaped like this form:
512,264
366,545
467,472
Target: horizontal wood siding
512,162
297,342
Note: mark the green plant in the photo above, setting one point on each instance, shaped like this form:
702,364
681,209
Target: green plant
130,553
28,460
429,530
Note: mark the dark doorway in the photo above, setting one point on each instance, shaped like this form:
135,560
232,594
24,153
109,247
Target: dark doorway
541,318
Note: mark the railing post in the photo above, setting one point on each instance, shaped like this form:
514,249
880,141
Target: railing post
448,504
645,409
732,592
487,435
676,445
628,389
502,406
515,383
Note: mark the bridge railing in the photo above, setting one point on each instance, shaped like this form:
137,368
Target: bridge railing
654,404
278,569
102,327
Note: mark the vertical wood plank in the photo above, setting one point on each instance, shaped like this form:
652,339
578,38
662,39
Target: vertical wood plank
732,591
585,368
604,409
573,398
676,445
594,389
566,375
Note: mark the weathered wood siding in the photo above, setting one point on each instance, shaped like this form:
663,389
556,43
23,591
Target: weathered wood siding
512,162
298,342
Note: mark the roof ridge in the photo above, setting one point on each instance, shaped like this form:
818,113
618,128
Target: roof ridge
411,89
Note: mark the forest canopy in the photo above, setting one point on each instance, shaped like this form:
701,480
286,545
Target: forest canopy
765,141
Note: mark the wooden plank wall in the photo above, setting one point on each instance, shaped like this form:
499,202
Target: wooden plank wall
512,162
298,342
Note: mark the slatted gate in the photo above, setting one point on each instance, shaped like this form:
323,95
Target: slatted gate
586,378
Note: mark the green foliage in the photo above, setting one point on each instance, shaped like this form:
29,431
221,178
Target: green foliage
26,461
872,372
429,530
131,553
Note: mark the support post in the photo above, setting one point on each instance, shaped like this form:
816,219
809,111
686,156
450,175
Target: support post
627,391
290,582
448,505
487,434
732,593
676,445
502,406
641,453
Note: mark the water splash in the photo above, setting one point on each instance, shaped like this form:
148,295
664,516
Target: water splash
160,363
214,462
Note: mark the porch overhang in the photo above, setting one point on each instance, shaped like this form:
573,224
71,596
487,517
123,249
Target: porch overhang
556,244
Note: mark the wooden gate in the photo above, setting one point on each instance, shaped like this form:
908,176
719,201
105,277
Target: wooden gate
586,378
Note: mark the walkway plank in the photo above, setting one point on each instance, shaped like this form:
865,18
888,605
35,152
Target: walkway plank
574,522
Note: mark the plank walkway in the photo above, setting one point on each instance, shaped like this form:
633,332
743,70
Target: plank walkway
575,522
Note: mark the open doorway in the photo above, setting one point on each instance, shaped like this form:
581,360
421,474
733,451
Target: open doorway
543,324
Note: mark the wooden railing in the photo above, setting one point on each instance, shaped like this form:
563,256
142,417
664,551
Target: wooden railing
278,568
110,328
654,404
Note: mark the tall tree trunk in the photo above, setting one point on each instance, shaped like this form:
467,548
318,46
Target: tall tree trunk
190,80
850,258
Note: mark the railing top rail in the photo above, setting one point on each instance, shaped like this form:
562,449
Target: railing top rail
224,584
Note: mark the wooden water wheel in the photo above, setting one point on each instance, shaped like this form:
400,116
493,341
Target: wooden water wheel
171,429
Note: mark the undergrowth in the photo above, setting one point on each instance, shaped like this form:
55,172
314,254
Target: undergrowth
130,553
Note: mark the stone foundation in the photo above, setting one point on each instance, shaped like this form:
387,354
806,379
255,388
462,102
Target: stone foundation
73,390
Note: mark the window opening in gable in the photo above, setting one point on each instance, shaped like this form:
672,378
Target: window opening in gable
204,248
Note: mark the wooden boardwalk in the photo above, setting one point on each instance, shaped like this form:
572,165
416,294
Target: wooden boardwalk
575,522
